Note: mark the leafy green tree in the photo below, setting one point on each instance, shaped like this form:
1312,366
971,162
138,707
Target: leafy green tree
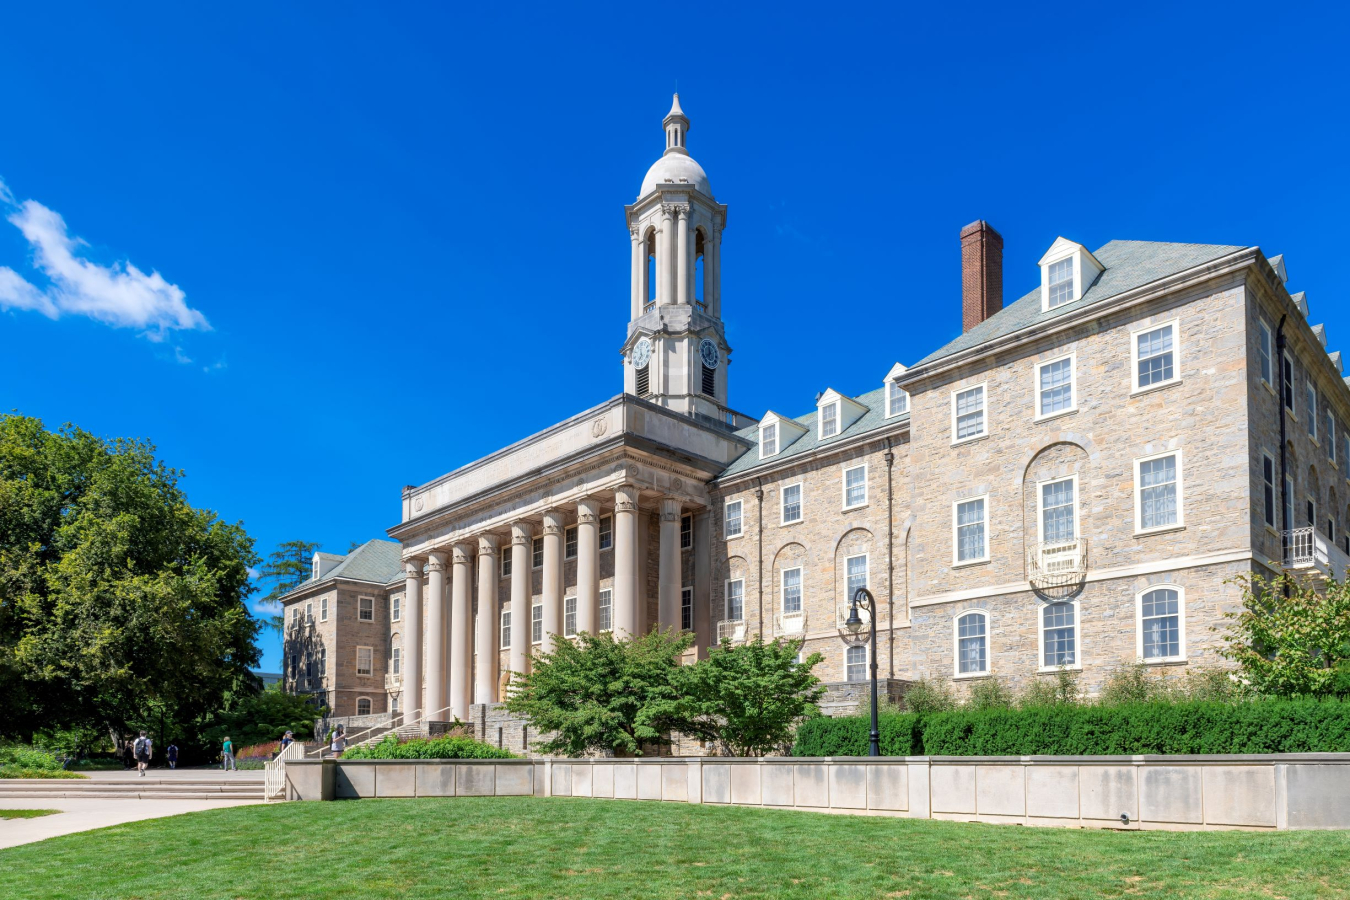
264,717
1292,646
604,694
288,566
749,697
120,604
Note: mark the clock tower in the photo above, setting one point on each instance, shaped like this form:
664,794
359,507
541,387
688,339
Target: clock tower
676,353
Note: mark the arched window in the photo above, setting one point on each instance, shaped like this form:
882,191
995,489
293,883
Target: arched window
855,664
651,265
1161,621
363,706
700,258
972,643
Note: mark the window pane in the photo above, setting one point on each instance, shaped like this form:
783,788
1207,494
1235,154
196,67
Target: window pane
606,532
855,486
570,616
733,518
1161,621
792,503
829,420
1155,356
1268,474
686,532
1056,386
768,440
970,530
972,652
687,609
1060,643
1264,351
1061,282
856,569
606,609
792,590
537,552
1057,516
1158,492
898,402
735,600
970,413
570,542
506,629
1312,410
537,624
855,664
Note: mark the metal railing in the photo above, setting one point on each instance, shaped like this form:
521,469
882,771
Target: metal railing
1053,563
733,630
1305,549
649,306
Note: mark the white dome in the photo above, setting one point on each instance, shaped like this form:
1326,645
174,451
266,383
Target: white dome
679,168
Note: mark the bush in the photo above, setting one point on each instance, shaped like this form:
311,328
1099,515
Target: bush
19,761
926,696
991,693
901,735
435,748
1058,691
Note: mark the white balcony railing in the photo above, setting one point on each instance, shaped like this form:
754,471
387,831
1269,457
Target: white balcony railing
1307,550
733,630
392,682
841,613
1056,563
792,622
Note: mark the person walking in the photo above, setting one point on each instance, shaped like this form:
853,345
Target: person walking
286,740
171,754
339,741
227,756
142,750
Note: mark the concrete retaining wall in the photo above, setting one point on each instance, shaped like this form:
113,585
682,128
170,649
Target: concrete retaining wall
1156,792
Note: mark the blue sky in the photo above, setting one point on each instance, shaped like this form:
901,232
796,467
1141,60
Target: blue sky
317,253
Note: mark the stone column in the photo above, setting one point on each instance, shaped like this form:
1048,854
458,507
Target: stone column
435,600
461,637
665,253
553,575
412,639
625,597
588,563
702,580
682,256
712,276
487,663
636,280
668,569
522,534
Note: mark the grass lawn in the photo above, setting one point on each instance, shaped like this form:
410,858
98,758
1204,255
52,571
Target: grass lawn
26,813
596,849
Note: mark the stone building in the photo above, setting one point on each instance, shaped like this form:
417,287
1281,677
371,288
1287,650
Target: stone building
1073,482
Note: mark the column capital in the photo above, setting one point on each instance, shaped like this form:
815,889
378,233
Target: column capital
682,211
554,521
462,553
522,532
671,507
487,544
667,210
588,510
412,566
626,498
436,560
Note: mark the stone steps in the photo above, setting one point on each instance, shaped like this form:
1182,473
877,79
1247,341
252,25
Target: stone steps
134,789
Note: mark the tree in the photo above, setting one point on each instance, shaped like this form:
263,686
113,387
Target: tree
120,604
264,717
749,697
1294,645
287,567
604,694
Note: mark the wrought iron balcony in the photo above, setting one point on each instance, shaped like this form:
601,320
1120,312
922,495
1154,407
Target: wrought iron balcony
792,622
733,630
1057,563
1307,551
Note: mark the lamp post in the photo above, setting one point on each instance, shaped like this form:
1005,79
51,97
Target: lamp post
854,624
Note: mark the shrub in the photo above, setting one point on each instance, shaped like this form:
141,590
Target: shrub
901,735
991,693
455,747
926,696
1058,691
19,761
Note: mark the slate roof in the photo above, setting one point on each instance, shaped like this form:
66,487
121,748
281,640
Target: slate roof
872,420
1129,264
376,561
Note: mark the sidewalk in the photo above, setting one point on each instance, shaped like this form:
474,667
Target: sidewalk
85,815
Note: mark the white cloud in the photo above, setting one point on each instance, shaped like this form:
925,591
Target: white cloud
120,295
253,572
269,609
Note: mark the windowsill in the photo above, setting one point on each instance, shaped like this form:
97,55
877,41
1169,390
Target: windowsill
1052,670
1055,415
972,676
1165,529
965,564
1314,440
1293,415
793,522
1268,386
855,506
1273,532
1154,387
1166,661
970,440
733,537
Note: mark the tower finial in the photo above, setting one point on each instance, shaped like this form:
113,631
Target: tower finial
676,124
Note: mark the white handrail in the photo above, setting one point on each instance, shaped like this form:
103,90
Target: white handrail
274,770
362,736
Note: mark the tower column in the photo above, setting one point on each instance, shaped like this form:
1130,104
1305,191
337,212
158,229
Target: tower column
682,256
435,600
588,563
461,641
668,568
625,561
712,275
553,574
665,262
487,664
522,534
412,639
635,281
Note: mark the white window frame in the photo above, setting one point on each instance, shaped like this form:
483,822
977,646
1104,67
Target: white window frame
570,539
801,590
1077,636
1139,490
537,541
370,659
600,609
309,613
323,662
1330,431
1175,325
770,427
606,526
323,609
360,609
1289,509
1139,624
687,519
1265,354
1310,397
1050,284
396,661
740,518
983,388
504,570
687,594
1290,400
396,608
504,623
867,573
570,632
1273,510
956,645
1041,415
370,705
726,599
820,420
893,390
782,504
866,661
536,619
844,487
1040,507
957,561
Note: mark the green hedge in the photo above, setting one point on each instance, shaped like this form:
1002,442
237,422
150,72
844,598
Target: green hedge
436,748
1267,726
20,761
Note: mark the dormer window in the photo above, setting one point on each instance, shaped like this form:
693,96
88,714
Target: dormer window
768,440
829,420
1068,269
1061,283
897,401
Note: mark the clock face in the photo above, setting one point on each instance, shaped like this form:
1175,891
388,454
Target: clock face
642,353
708,350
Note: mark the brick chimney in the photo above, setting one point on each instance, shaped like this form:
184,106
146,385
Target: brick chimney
981,273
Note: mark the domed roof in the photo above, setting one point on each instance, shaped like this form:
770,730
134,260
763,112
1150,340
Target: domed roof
679,168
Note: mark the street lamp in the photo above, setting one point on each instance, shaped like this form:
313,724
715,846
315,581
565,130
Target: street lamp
854,625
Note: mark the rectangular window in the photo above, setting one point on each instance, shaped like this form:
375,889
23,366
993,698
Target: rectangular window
396,608
829,420
1059,635
505,641
1054,387
968,413
309,613
855,487
1057,512
606,539
897,401
972,644
1288,504
971,545
687,608
323,661
686,532
537,623
1345,450
364,655
323,609
605,621
1312,410
1061,282
709,385
1264,351
506,563
792,591
792,504
1155,357
537,552
365,609
855,568
570,617
1289,384
1330,436
1310,512
768,440
1158,491
570,542
733,518
855,664
735,600
1268,481
1160,624
396,661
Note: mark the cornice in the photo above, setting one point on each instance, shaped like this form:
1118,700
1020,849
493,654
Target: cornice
819,453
